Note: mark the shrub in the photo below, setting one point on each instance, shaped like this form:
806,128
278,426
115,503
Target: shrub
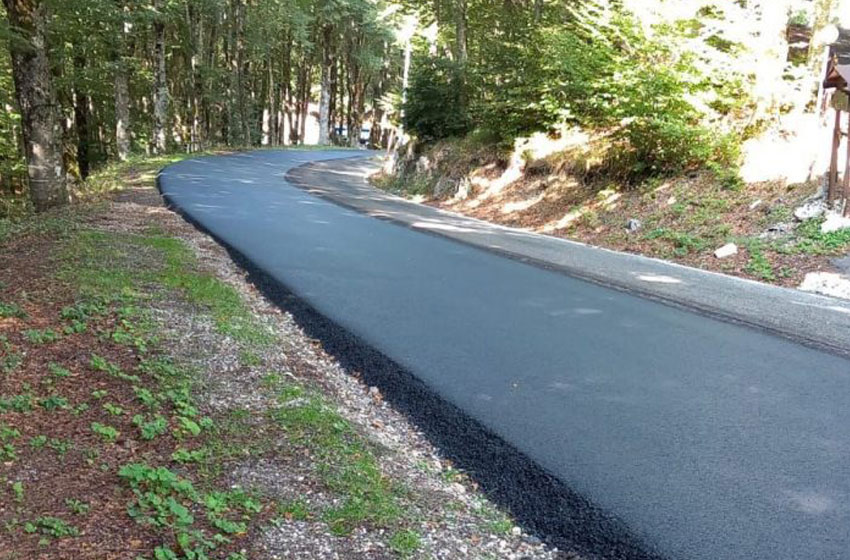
436,107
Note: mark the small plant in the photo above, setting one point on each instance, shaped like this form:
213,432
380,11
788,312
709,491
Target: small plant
60,446
9,359
152,428
11,310
146,397
758,265
35,336
405,542
22,403
99,393
100,363
184,456
54,402
18,491
295,510
38,442
51,527
77,507
108,433
58,371
113,409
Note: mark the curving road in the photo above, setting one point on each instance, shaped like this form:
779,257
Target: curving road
690,438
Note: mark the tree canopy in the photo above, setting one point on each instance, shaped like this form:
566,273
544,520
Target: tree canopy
678,83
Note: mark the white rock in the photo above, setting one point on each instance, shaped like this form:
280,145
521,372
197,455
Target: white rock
756,204
834,222
809,210
726,251
827,283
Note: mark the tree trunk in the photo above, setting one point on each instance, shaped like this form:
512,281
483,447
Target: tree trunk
160,104
325,96
460,31
81,116
122,90
34,92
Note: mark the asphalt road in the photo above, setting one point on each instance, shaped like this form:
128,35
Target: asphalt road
704,439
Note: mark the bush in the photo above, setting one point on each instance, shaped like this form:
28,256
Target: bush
436,106
663,146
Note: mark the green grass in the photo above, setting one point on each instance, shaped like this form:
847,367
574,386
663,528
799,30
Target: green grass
405,542
811,241
116,267
345,463
11,310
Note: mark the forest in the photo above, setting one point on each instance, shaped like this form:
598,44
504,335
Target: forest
674,86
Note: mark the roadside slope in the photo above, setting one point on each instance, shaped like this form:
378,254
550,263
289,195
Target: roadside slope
816,320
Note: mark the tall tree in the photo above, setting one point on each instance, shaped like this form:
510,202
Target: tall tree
34,91
160,103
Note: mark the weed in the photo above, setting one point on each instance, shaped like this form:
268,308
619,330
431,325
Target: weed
46,336
108,433
405,542
51,527
295,510
811,240
99,393
58,371
38,442
146,397
758,264
113,409
347,466
18,491
8,452
22,403
9,310
54,402
77,507
150,428
249,359
683,243
101,364
184,456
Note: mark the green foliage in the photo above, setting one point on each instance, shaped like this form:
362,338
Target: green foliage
11,310
150,428
811,240
405,542
51,527
35,336
108,433
348,466
436,106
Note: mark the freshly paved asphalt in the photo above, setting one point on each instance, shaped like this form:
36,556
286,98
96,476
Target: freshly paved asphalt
705,439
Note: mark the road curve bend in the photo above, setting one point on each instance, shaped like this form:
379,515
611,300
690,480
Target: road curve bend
668,434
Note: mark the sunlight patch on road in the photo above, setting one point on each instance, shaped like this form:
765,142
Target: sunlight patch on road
658,279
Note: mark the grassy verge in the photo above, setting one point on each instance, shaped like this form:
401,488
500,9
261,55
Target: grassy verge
92,401
141,396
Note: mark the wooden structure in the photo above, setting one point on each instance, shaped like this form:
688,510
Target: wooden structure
838,79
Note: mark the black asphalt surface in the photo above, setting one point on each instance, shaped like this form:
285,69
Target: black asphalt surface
690,438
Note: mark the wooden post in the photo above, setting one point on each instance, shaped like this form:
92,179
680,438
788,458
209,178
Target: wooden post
832,188
846,194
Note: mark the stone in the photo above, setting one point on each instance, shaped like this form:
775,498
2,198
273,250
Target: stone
834,222
633,225
756,204
726,251
827,283
809,210
776,231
